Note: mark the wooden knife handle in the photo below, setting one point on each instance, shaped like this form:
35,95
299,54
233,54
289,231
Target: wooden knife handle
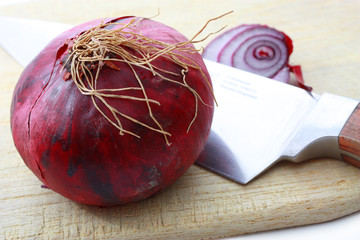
349,139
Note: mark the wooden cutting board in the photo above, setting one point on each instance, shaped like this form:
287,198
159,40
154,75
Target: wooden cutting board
201,205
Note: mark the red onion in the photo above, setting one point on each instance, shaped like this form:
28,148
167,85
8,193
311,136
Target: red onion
113,111
255,48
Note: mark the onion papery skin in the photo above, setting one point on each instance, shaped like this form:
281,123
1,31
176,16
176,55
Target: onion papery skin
254,48
76,152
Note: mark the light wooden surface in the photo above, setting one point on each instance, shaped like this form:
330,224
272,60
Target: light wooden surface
201,205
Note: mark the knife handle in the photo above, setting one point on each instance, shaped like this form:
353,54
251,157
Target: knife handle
349,139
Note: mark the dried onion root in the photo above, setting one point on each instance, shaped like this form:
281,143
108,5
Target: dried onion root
98,47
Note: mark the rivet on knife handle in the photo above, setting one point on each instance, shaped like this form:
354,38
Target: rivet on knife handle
349,139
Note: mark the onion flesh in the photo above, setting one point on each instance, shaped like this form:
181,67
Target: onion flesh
258,49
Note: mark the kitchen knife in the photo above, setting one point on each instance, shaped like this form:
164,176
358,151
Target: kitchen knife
258,121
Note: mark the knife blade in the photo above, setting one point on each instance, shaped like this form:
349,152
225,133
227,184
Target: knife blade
262,122
23,39
258,122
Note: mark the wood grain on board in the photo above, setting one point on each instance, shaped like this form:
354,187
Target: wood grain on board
200,205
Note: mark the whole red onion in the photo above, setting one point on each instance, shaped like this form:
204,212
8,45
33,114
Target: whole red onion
104,121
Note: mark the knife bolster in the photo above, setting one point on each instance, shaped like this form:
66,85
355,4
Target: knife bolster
349,139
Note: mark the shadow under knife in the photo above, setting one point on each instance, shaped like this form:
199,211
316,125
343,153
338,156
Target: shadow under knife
218,157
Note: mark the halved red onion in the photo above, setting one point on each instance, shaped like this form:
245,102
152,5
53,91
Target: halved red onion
254,48
282,75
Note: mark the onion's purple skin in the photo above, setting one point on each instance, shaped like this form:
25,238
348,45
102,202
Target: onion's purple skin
254,48
76,152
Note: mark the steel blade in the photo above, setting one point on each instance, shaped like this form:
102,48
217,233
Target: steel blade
23,38
256,119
